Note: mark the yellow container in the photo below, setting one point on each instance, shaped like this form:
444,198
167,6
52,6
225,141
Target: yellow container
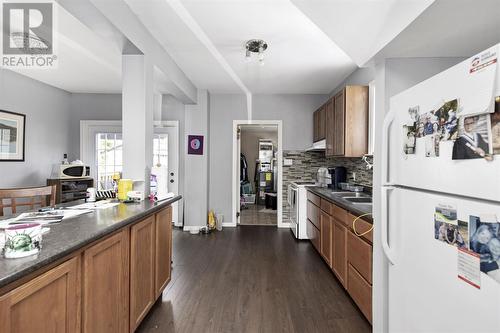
124,186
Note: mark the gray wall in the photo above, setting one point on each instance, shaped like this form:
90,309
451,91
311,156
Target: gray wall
47,111
91,107
294,110
361,76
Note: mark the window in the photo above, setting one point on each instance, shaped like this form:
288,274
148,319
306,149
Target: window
109,149
160,149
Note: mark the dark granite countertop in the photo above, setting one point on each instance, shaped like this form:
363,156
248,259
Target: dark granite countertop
72,234
354,209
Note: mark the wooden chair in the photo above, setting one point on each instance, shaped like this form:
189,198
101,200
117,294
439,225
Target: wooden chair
29,196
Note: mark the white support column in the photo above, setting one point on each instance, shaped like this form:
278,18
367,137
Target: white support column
137,119
196,166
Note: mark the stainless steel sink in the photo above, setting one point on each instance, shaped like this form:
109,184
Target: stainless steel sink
359,200
352,195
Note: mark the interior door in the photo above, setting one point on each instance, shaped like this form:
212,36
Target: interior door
172,133
425,294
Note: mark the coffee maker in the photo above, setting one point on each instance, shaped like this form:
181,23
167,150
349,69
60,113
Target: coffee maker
339,175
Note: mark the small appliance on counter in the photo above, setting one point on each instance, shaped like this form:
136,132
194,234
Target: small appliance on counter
323,177
69,171
337,175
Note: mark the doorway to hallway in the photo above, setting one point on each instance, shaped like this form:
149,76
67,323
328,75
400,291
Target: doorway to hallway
258,174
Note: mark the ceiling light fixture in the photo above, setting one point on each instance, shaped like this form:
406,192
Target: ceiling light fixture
257,46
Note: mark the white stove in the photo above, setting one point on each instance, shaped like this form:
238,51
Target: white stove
297,200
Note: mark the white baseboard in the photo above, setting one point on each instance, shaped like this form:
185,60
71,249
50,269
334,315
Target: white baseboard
228,225
284,225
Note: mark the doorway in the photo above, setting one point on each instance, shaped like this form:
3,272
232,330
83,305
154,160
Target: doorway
257,173
101,149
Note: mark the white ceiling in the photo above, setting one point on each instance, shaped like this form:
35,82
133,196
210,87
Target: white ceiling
449,28
362,27
313,44
86,62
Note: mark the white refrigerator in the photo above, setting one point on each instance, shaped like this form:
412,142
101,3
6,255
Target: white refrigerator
421,183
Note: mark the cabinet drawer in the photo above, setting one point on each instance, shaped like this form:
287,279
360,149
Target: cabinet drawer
313,234
359,255
340,214
326,206
361,227
360,291
315,199
313,213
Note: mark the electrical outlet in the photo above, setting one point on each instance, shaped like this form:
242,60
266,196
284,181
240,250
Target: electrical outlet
287,161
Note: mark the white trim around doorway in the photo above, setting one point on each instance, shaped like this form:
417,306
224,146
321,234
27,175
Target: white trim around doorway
235,177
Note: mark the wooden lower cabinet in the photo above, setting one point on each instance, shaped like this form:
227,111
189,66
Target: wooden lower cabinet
163,255
339,251
326,237
106,285
360,291
142,270
48,303
314,235
360,255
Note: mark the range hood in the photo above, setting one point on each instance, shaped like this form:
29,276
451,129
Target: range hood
318,146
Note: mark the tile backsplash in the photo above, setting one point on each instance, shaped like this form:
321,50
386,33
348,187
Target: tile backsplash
305,165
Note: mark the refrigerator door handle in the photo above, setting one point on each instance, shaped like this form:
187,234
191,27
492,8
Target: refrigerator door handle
389,118
388,250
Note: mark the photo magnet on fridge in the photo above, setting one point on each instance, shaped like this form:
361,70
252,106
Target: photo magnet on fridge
495,127
409,139
447,120
447,228
474,137
484,239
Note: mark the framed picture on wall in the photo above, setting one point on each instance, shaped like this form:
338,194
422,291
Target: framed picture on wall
12,126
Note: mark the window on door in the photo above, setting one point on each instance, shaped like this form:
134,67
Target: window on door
109,156
109,150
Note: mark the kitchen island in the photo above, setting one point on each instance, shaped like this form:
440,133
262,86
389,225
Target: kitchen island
98,272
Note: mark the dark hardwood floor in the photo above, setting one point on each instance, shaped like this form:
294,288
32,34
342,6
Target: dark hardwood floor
251,279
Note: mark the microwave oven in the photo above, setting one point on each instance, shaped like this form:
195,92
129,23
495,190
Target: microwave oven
68,171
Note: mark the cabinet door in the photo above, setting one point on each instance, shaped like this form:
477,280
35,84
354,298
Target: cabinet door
142,270
360,255
330,127
356,121
360,291
315,125
106,285
163,256
339,251
314,235
48,303
339,122
322,123
325,230
313,214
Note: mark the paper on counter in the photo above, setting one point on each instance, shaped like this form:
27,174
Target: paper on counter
95,205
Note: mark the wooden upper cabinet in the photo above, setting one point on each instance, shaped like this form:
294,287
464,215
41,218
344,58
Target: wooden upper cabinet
142,270
338,125
48,303
319,124
330,124
347,122
163,256
106,285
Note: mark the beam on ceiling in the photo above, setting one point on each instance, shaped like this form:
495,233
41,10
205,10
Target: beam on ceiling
114,20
